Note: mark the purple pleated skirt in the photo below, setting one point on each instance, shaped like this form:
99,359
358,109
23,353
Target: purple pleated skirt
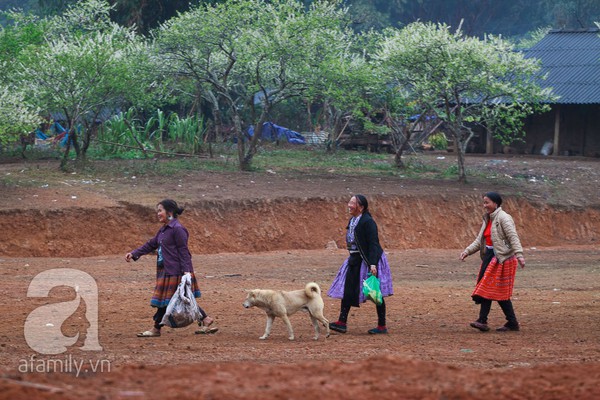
383,273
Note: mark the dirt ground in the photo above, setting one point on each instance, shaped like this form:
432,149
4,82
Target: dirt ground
280,231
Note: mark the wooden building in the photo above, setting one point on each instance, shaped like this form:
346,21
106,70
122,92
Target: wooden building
571,58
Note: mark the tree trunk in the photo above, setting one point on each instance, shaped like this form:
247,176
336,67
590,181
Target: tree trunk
75,141
336,129
401,135
398,159
80,155
403,146
90,132
71,140
460,155
246,164
241,144
218,124
460,141
310,125
65,158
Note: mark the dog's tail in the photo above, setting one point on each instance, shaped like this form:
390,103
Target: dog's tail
312,290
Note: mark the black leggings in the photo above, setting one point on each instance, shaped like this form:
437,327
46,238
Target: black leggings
158,316
506,306
345,310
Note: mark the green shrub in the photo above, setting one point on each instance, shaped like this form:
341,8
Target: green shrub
439,141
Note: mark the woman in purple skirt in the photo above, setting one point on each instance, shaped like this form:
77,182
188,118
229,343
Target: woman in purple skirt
366,256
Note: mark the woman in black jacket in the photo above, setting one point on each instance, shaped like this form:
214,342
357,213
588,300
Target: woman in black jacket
366,256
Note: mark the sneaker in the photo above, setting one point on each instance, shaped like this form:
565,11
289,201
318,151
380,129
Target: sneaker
508,327
481,326
378,330
338,326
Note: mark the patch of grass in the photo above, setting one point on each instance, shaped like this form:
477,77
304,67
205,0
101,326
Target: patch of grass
416,166
270,157
94,153
318,161
451,172
162,166
32,174
33,153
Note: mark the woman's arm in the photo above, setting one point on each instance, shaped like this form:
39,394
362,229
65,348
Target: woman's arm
146,248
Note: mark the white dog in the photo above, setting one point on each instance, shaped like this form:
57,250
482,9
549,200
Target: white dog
278,303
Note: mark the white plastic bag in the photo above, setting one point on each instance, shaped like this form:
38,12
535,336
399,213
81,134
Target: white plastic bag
182,309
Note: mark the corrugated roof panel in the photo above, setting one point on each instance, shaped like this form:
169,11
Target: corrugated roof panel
572,61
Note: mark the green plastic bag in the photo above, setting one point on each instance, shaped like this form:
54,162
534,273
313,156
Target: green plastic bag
372,290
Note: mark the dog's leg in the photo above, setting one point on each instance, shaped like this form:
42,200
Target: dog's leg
325,323
315,323
270,319
289,326
316,314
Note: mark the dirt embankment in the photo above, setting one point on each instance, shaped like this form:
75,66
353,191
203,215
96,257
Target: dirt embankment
253,230
405,222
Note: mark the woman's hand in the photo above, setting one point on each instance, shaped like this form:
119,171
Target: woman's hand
521,261
128,257
463,255
374,270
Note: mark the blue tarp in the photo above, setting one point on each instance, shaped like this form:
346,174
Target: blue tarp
57,128
416,117
61,135
273,132
40,135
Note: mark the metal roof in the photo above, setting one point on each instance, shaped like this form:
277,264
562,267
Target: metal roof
572,60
